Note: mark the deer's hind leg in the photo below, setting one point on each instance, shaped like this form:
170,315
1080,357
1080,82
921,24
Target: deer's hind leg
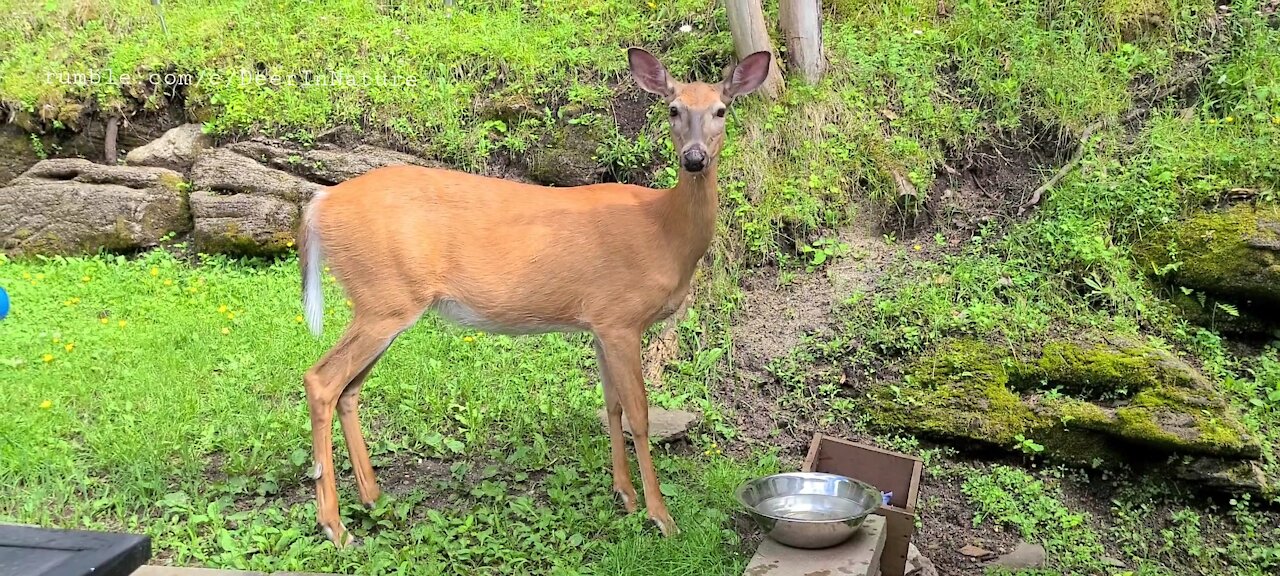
326,382
349,418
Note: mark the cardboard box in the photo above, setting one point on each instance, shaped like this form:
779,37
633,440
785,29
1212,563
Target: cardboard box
889,472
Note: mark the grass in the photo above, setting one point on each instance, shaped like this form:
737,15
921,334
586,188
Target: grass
162,397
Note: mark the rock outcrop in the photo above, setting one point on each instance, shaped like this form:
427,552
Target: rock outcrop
1230,257
73,205
176,149
1084,402
246,224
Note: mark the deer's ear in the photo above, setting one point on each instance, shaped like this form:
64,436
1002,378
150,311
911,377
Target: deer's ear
748,75
649,73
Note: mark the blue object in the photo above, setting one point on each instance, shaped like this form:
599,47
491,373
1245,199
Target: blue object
4,304
885,496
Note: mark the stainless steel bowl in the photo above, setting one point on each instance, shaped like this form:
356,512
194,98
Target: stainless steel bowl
809,509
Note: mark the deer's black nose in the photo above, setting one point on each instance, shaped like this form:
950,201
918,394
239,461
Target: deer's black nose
695,160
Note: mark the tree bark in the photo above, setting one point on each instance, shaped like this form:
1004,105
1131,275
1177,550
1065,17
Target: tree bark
750,35
801,22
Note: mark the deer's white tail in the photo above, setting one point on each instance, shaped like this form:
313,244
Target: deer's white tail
310,255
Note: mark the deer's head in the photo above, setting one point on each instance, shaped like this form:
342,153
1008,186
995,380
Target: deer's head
697,109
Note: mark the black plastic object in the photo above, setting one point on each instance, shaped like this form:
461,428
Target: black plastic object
32,551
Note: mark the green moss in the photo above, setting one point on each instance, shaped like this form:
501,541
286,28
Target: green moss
1233,254
970,390
960,392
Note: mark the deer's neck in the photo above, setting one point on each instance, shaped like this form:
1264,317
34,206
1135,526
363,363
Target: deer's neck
690,216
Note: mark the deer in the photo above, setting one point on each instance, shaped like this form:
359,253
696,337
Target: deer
513,258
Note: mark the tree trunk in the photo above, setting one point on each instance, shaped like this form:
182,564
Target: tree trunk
750,35
802,27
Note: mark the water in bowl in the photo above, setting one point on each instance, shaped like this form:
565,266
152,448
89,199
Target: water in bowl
809,507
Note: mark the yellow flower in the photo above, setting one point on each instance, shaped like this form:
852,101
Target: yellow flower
348,303
231,315
468,339
298,318
917,247
155,271
85,278
47,358
222,309
47,404
56,340
1229,119
326,268
121,323
191,289
653,6
26,275
1275,120
103,320
289,244
70,346
225,330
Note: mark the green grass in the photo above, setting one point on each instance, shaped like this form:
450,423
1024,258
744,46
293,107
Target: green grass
166,398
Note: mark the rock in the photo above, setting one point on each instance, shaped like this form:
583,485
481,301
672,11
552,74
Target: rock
568,158
1231,255
176,149
1118,400
976,552
664,425
17,153
1113,563
71,206
1233,475
1023,557
324,166
223,171
918,564
243,224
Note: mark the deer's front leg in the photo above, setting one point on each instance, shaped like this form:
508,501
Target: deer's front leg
618,443
622,353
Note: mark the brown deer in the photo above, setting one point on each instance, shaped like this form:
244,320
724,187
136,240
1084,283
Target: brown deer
512,258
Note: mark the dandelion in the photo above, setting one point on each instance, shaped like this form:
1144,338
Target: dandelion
1229,119
348,303
85,278
917,247
70,346
298,318
122,323
225,330
326,269
103,320
231,315
47,404
468,339
155,271
191,289
1275,120
222,309
47,358
653,6
26,275
289,244
168,282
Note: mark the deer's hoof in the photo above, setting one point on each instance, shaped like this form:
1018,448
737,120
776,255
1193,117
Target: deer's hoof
665,524
340,537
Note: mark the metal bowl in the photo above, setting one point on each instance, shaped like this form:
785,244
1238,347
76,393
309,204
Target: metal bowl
809,509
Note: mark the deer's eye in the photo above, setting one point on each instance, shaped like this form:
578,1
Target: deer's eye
675,111
720,112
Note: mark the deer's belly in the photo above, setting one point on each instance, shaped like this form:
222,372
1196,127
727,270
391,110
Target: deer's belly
463,315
